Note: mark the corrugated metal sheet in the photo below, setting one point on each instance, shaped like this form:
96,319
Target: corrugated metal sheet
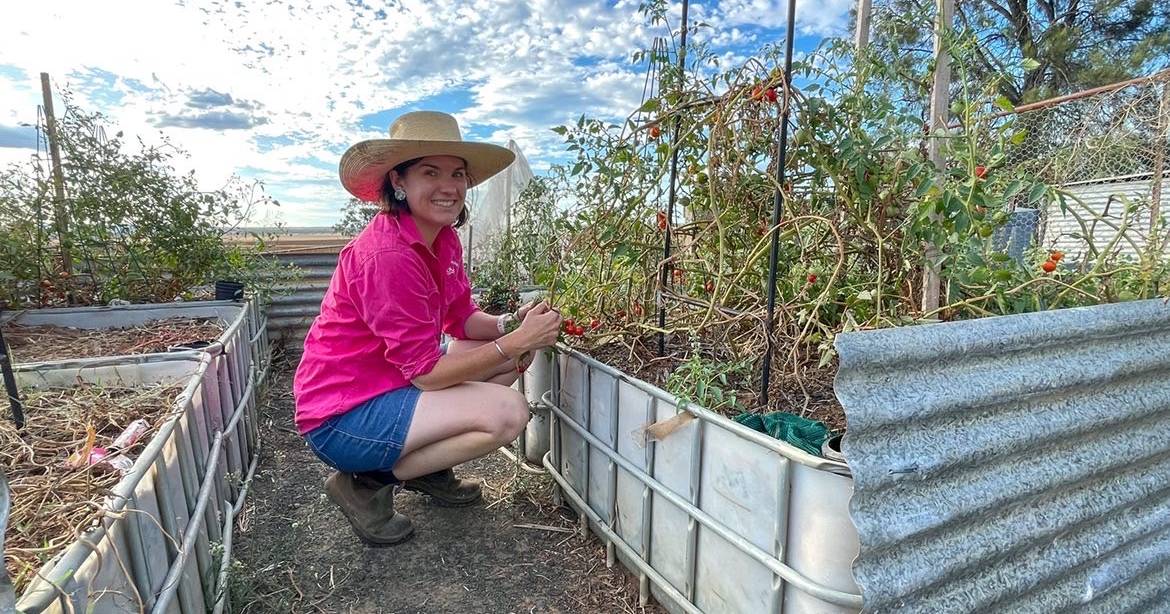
1012,464
291,313
1063,231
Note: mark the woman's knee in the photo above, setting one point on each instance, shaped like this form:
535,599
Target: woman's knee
511,415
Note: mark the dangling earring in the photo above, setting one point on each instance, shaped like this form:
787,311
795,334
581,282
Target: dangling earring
399,194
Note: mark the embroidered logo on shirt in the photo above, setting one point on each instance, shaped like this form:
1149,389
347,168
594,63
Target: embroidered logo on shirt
451,269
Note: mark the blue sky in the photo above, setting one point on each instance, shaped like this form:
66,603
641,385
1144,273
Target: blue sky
277,91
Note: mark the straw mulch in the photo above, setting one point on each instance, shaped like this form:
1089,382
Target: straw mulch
37,343
51,502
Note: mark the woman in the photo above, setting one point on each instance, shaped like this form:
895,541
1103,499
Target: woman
377,397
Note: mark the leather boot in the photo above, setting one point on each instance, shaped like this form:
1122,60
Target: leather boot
445,488
369,507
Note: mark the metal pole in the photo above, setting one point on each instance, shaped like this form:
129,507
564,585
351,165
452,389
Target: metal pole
664,276
939,118
7,591
864,10
62,217
778,202
507,179
10,385
1161,142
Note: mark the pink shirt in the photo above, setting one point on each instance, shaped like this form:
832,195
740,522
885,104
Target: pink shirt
381,319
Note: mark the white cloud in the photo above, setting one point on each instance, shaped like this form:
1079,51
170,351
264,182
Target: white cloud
813,17
281,89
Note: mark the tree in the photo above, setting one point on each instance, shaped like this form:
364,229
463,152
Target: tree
355,215
1032,50
138,230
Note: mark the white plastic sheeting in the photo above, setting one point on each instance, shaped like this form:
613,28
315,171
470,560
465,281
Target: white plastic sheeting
491,212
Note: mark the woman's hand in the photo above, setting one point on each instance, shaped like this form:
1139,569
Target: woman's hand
526,307
540,327
525,361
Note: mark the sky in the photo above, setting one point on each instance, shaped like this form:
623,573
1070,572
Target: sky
277,91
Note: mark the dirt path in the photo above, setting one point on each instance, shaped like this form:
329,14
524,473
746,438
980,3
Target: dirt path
295,552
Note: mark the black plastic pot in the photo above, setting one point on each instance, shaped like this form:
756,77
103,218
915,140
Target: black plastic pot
229,290
832,449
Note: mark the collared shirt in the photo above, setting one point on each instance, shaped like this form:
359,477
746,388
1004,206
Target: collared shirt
382,318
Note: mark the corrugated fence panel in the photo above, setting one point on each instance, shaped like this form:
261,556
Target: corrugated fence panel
1107,200
291,313
313,253
1012,464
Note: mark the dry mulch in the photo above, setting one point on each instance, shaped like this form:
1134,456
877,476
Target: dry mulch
53,502
809,395
46,342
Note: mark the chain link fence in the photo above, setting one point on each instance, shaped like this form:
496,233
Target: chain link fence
1106,149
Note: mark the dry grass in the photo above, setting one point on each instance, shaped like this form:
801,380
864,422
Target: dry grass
51,501
807,392
596,588
37,343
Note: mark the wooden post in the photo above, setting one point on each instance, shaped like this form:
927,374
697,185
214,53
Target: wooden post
59,212
864,9
939,118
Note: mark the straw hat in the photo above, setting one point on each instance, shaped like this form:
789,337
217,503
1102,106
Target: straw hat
416,135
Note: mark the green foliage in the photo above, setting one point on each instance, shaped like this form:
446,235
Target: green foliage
1029,50
355,215
526,256
861,199
709,383
136,229
497,282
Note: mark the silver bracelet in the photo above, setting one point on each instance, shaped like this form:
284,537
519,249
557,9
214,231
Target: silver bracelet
501,351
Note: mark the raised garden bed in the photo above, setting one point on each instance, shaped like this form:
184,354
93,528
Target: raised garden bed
119,542
710,515
57,493
232,333
38,343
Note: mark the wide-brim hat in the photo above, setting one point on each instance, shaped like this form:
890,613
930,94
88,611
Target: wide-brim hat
417,134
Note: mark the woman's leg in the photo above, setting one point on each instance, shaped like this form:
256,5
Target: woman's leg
458,424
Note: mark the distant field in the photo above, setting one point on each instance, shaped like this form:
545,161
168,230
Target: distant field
306,240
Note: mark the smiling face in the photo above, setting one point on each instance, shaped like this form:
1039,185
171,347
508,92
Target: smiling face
436,190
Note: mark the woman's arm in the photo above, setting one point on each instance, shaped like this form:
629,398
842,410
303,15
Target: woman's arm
485,327
482,326
539,329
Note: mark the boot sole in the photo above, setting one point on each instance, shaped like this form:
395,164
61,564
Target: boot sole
381,543
439,500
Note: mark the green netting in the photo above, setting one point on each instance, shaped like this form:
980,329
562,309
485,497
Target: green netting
808,435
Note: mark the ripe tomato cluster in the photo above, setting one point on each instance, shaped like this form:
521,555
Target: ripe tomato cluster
1050,264
761,93
576,330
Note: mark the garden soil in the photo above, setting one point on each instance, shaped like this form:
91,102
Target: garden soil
808,394
514,552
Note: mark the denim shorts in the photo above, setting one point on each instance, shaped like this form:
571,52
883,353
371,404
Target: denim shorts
368,437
